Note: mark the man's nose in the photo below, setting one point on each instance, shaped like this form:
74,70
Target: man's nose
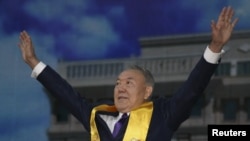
121,87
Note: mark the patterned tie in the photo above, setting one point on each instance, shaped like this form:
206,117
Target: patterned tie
118,124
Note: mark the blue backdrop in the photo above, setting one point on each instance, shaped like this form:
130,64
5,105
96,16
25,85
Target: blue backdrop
84,30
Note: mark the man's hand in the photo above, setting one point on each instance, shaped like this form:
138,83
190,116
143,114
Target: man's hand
27,49
222,30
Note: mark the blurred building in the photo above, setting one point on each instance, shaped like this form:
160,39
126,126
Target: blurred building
225,101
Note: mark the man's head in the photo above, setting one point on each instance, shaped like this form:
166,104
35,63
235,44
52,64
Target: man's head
133,87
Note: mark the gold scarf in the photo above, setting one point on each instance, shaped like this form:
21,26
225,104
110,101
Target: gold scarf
138,124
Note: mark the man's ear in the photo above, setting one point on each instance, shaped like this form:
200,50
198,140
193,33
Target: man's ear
149,90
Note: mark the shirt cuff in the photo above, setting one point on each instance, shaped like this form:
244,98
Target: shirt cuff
38,69
212,57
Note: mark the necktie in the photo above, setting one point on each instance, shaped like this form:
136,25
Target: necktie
119,123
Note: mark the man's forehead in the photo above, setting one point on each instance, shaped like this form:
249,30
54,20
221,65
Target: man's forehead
129,74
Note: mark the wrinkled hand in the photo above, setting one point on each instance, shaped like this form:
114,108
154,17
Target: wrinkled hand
27,49
222,29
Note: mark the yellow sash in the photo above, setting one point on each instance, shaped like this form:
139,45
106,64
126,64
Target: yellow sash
138,124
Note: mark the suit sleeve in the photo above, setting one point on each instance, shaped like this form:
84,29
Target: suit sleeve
180,105
64,92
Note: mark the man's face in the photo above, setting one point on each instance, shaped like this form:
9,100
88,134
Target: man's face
130,90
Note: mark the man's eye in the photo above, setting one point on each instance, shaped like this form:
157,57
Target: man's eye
129,82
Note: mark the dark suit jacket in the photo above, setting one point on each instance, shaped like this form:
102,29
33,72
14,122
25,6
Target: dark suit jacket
168,114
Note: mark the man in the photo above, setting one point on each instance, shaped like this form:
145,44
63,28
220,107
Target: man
148,120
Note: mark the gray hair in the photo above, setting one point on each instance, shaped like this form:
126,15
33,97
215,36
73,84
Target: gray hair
145,72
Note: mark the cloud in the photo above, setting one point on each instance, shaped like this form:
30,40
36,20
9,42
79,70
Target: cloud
94,38
82,30
242,12
208,11
49,10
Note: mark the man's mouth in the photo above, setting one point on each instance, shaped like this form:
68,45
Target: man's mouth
122,97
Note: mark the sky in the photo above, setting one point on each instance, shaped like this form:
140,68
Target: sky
84,30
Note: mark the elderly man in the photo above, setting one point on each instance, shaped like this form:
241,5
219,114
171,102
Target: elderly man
139,117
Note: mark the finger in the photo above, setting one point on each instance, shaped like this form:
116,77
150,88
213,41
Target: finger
213,25
222,14
21,41
22,36
25,35
235,22
229,14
